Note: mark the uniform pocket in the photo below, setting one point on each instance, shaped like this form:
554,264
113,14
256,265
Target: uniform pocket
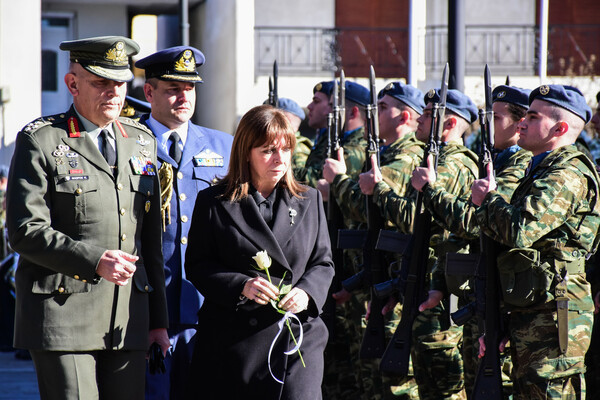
58,284
524,280
79,193
140,280
142,189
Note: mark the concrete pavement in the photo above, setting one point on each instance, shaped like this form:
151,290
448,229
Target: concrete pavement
17,378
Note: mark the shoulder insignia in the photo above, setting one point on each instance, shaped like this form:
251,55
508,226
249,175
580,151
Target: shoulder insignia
36,124
135,123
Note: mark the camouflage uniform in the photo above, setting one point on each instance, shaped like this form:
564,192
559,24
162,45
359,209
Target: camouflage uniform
341,354
457,214
301,151
435,342
398,160
550,224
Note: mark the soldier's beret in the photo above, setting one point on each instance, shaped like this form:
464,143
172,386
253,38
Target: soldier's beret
512,95
104,56
173,64
457,102
409,95
357,93
292,107
325,87
564,96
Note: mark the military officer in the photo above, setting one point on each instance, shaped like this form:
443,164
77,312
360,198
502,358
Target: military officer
550,225
84,215
190,158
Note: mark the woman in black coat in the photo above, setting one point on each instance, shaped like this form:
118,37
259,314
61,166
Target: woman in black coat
257,207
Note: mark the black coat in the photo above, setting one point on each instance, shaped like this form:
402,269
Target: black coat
232,345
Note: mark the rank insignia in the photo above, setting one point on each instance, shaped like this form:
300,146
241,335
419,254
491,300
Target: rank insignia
142,166
116,53
73,127
208,158
142,141
544,90
186,62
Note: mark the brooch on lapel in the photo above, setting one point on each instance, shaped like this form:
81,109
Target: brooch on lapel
293,213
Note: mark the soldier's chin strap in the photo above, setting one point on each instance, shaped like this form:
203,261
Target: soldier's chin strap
165,174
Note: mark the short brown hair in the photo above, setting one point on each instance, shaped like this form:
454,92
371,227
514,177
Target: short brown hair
261,125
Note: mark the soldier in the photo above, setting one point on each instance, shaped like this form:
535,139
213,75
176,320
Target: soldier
84,215
295,115
190,158
318,109
457,214
435,343
399,107
550,225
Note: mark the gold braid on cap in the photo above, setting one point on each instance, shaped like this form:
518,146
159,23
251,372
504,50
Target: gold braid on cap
165,174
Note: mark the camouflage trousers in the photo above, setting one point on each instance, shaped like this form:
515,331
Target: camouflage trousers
436,356
540,370
592,360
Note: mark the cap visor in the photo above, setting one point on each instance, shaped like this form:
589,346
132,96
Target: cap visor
118,75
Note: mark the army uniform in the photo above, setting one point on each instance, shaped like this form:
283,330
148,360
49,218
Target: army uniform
301,151
204,159
550,225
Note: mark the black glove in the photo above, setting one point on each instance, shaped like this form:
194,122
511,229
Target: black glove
156,360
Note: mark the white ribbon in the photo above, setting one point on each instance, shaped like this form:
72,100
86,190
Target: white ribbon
281,323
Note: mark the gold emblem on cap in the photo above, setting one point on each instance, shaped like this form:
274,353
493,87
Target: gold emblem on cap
501,94
116,53
431,93
544,90
389,86
318,87
186,62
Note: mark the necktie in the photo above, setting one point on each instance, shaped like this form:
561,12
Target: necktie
174,149
109,153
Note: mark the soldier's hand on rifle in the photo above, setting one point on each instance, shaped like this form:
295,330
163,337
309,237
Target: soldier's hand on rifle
334,167
422,175
342,296
368,180
435,298
501,345
323,187
389,305
481,187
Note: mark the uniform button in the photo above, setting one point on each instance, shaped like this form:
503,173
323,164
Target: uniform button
575,253
146,288
84,281
120,186
184,240
179,175
122,211
123,237
61,289
253,322
76,277
184,218
182,197
78,191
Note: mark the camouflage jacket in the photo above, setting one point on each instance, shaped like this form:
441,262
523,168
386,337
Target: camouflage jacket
301,151
457,214
554,210
354,154
398,161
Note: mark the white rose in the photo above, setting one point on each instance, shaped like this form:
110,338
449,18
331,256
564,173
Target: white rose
263,261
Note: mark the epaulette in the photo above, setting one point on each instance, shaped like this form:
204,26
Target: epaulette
135,123
43,121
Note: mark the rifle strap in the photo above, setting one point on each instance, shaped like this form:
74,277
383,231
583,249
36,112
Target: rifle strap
562,314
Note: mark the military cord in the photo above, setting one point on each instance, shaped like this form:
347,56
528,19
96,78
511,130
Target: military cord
165,174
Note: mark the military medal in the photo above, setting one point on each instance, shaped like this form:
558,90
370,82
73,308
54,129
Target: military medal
142,165
208,158
141,141
147,206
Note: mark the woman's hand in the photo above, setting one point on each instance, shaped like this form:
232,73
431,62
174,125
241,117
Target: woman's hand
260,290
295,301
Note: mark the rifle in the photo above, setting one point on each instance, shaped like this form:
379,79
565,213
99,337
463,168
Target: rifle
273,97
335,219
488,383
373,343
395,360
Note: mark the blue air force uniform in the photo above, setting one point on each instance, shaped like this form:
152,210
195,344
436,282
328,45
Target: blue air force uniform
204,159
